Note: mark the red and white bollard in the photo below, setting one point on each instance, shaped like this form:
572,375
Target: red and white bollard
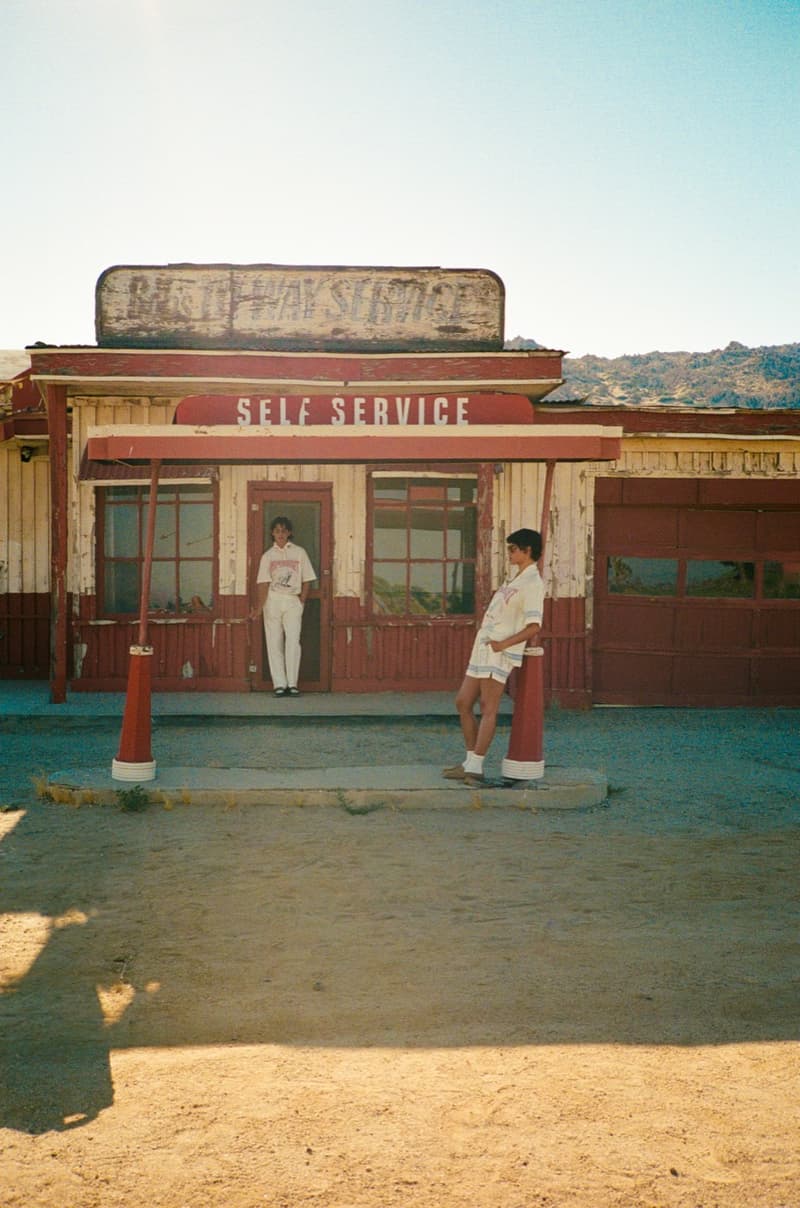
135,758
525,758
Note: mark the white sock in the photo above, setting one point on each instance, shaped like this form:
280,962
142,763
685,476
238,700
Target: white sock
473,762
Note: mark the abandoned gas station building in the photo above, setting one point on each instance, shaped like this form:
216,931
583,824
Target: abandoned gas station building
380,411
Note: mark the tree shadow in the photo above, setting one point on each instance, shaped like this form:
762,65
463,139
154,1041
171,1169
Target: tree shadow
310,926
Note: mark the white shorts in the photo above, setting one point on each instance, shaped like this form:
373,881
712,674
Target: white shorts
485,663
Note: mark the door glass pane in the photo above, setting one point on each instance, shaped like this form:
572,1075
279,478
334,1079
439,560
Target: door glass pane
121,587
196,588
463,492
427,533
427,489
628,576
425,589
461,532
166,532
197,530
122,531
782,580
389,588
389,488
705,577
162,587
460,596
389,534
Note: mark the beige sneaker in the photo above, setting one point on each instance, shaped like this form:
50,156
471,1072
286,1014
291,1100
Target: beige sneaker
455,773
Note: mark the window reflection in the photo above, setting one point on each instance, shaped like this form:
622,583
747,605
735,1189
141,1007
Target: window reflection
628,576
782,580
424,545
183,548
725,580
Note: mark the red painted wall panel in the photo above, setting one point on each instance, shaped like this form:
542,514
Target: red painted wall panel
25,635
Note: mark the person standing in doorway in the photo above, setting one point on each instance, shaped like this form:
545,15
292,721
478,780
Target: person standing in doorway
285,575
512,620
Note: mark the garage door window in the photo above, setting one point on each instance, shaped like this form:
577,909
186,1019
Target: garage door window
782,580
720,580
643,576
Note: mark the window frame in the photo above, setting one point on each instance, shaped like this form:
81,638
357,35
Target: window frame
101,559
447,471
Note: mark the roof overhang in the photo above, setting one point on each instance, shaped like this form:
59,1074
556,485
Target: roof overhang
374,443
162,373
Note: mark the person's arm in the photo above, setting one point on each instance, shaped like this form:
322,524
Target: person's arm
262,590
525,635
307,576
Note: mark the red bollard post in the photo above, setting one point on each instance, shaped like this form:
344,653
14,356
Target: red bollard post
525,758
135,759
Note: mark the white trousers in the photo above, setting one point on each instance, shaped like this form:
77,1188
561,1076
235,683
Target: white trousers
283,617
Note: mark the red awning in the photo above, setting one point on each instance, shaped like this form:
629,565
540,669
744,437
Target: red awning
320,445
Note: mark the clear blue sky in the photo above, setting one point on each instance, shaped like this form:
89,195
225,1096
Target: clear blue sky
630,168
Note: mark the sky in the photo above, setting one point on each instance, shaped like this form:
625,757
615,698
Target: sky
629,168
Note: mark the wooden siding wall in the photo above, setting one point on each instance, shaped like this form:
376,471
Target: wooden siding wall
24,564
567,568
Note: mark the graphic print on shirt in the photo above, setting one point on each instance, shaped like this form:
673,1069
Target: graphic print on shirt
284,572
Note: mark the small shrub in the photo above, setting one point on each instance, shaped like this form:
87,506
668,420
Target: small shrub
133,800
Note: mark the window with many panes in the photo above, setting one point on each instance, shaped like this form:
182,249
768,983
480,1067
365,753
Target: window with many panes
182,577
424,545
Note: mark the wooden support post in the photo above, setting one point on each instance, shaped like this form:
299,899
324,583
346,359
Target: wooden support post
525,758
134,759
56,402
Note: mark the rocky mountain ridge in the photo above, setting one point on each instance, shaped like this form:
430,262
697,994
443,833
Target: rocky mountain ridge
732,377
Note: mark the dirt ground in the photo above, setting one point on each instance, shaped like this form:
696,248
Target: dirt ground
293,1007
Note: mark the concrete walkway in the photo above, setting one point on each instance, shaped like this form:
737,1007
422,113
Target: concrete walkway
354,787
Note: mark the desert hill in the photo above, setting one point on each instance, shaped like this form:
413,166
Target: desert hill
735,376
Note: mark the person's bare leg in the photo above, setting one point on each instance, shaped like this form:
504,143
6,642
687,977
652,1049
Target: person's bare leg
491,693
466,697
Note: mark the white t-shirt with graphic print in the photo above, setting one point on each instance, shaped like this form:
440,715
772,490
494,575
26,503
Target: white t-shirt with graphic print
286,570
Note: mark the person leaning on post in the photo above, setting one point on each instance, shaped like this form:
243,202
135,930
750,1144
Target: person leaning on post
512,621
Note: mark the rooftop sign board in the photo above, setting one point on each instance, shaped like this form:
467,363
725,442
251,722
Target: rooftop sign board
266,306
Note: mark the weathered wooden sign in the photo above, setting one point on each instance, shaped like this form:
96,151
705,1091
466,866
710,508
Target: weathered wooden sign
338,410
293,307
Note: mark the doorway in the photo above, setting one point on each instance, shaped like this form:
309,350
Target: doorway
310,509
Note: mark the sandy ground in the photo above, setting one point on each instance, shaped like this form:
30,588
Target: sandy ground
289,1007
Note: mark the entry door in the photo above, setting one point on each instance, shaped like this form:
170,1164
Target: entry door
309,509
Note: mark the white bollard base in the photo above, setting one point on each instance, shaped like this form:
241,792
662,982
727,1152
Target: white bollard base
517,769
133,771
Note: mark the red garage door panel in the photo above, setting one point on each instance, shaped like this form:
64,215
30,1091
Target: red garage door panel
648,675
701,675
778,678
779,531
714,629
779,629
652,623
648,527
697,593
734,532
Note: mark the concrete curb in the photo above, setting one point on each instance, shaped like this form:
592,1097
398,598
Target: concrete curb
356,790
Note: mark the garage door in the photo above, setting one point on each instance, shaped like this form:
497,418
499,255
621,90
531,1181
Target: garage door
697,592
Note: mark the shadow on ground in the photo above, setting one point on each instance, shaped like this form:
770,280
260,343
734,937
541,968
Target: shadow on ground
202,926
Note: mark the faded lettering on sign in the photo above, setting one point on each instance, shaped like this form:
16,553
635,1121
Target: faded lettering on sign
226,306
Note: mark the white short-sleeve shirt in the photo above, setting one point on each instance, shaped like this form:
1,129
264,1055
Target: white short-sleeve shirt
517,603
286,570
